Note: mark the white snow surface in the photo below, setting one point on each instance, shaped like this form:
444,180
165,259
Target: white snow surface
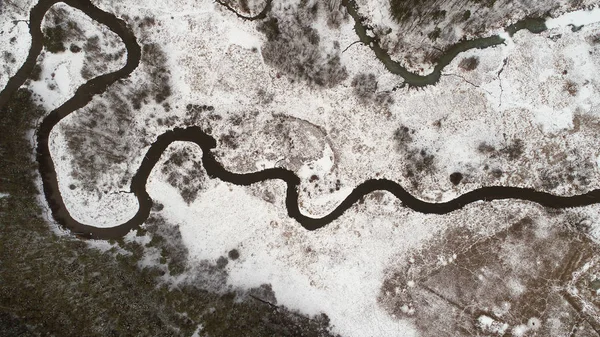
576,18
513,93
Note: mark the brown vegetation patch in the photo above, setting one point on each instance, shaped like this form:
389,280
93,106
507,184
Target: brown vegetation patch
517,278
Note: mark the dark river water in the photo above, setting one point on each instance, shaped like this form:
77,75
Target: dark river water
534,25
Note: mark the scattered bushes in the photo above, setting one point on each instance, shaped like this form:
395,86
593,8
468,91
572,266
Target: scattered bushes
419,162
571,88
336,14
514,150
403,137
485,148
295,48
185,172
197,115
58,30
364,87
96,59
229,140
575,173
95,138
167,238
155,60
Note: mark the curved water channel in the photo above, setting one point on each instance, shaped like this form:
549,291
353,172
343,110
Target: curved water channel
213,168
534,25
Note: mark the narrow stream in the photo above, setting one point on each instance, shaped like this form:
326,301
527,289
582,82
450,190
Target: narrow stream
534,25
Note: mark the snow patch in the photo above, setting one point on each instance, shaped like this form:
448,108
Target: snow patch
553,120
576,18
242,38
492,326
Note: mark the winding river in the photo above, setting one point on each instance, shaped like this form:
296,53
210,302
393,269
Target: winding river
213,168
534,25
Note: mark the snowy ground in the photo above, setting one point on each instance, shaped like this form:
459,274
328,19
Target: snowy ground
517,119
409,42
14,37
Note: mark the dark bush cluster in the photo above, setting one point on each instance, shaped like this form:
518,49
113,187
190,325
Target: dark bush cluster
364,87
456,178
155,60
336,13
54,39
168,121
233,254
59,30
514,150
571,88
188,179
469,63
269,27
8,57
421,161
434,34
486,148
418,161
196,114
295,48
403,137
36,73
229,140
415,10
593,39
96,60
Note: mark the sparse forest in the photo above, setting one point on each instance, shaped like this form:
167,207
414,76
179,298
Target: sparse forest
296,49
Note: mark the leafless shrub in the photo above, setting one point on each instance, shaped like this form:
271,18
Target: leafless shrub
469,63
295,48
364,87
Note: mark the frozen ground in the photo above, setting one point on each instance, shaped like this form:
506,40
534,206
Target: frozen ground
14,36
415,33
499,116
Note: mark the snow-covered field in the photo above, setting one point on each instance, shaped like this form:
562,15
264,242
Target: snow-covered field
527,115
14,37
